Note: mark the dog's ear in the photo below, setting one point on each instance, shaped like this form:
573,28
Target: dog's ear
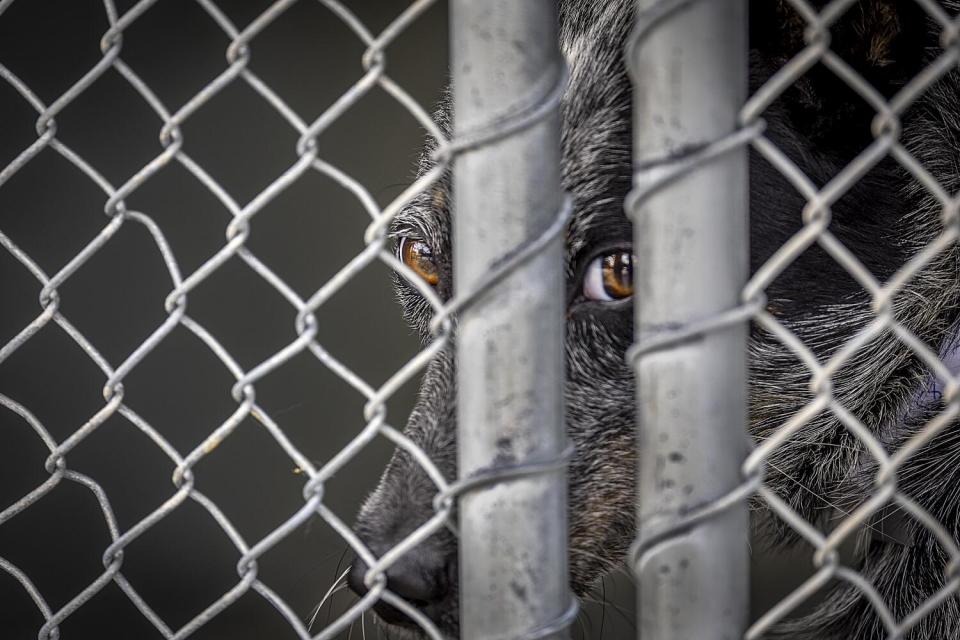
886,41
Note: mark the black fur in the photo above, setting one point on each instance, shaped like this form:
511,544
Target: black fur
884,219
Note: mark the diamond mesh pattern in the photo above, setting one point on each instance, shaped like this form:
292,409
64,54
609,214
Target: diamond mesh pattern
174,149
816,217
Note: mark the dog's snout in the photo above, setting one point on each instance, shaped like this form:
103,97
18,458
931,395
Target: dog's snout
421,577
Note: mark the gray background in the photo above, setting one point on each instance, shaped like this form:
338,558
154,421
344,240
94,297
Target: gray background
51,210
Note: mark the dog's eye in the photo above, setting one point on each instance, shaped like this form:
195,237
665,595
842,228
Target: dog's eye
418,255
609,277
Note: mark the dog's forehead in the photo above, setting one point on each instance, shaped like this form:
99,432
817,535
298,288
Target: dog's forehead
595,135
596,121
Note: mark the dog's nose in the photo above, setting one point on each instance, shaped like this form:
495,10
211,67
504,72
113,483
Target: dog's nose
422,577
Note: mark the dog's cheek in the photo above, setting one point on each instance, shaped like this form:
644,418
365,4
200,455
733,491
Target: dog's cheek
600,419
602,492
598,337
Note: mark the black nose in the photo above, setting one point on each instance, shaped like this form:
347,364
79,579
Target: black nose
423,577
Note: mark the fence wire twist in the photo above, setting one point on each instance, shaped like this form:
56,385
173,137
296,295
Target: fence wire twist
815,229
530,110
816,215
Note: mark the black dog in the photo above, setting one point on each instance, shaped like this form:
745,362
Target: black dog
886,218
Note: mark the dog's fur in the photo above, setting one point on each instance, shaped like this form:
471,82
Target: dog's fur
886,218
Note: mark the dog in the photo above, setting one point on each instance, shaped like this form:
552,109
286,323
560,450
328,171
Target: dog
884,219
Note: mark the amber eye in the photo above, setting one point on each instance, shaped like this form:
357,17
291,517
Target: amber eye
419,256
609,277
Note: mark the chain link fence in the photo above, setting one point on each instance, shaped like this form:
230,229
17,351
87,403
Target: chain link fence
524,109
174,149
671,526
710,338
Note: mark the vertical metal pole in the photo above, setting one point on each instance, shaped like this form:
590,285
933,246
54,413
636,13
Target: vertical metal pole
513,535
690,79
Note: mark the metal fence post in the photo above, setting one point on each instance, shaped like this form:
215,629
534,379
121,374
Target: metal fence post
507,70
689,65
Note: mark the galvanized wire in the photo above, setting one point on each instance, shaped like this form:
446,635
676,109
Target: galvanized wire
886,128
530,110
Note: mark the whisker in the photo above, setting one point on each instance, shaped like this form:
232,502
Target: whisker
621,611
313,617
330,556
335,572
819,497
335,587
363,624
335,591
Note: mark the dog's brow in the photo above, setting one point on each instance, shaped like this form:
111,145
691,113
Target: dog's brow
426,219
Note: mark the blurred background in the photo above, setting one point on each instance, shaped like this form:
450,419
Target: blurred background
51,210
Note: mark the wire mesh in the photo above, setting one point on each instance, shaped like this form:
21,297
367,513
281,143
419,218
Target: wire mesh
174,150
816,230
